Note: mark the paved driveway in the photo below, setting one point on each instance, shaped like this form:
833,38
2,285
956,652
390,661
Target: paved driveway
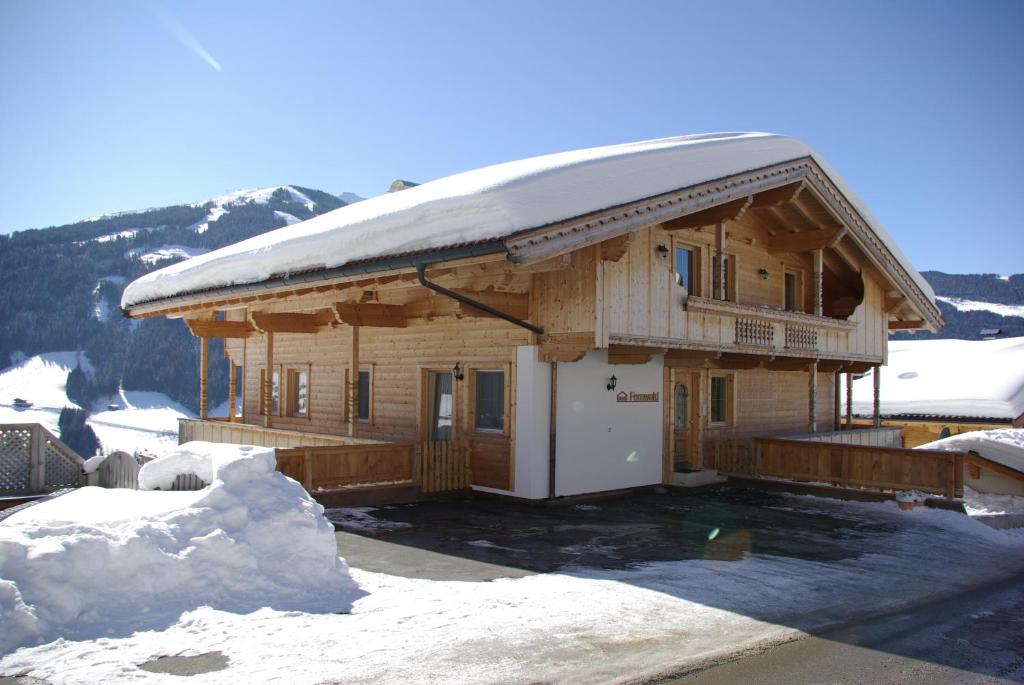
478,539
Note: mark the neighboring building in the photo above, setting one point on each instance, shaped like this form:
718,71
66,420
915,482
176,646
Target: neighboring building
581,322
937,388
990,333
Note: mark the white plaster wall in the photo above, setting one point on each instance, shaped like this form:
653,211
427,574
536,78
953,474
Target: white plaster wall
603,444
533,419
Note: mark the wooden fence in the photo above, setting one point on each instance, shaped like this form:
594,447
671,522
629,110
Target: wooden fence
857,466
735,457
444,466
212,430
326,468
34,460
886,436
121,470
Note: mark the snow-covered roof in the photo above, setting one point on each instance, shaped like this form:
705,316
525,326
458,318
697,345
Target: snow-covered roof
491,203
943,378
1004,446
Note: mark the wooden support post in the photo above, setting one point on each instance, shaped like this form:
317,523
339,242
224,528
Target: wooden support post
353,383
818,271
204,370
812,399
837,409
720,270
307,470
37,460
268,382
877,377
849,401
552,433
232,382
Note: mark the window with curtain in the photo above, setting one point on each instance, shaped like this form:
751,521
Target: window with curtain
364,396
298,392
490,401
440,408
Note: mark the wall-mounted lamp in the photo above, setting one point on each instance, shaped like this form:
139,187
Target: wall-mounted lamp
763,272
612,382
457,372
662,250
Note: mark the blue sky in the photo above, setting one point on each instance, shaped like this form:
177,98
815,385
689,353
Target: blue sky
117,105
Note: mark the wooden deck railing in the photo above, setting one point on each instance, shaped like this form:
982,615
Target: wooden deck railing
219,430
32,459
326,468
857,466
886,436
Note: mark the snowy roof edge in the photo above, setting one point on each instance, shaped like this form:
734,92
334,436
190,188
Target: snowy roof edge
488,204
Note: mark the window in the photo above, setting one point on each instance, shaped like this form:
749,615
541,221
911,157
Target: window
721,400
791,292
687,268
364,397
680,406
439,405
489,401
298,392
730,279
275,392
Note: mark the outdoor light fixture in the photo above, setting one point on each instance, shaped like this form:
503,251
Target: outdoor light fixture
612,382
764,273
662,250
457,372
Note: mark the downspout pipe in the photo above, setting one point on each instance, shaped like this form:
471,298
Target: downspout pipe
421,272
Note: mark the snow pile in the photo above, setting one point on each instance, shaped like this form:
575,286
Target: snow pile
491,203
1004,446
97,562
988,504
975,378
975,306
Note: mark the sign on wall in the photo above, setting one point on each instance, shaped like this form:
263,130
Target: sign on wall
624,396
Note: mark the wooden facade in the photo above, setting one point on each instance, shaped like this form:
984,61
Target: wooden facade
785,287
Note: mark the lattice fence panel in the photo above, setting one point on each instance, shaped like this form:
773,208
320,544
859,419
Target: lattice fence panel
62,470
15,448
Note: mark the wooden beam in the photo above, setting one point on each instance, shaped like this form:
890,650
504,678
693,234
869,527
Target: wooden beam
232,382
812,397
849,399
721,286
628,354
831,365
204,328
859,367
777,196
353,383
691,358
788,364
204,371
805,240
876,377
905,325
892,303
513,304
565,347
291,322
268,382
730,360
614,249
837,406
371,314
559,263
728,211
818,273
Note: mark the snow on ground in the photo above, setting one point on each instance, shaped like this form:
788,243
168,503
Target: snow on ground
97,562
222,408
491,203
977,378
147,421
975,306
130,233
585,626
1004,445
149,255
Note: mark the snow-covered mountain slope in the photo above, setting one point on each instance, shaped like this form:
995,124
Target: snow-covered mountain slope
222,204
152,255
146,421
964,305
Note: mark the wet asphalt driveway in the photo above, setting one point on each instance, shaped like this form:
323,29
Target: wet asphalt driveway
475,538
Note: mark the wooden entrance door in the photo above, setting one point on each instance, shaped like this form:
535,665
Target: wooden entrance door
681,408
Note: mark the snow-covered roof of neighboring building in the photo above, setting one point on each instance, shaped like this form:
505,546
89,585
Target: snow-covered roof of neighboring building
1004,446
491,203
949,378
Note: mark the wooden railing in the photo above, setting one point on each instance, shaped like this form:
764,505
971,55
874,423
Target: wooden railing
32,459
856,466
801,337
886,436
754,332
444,466
338,466
735,457
219,430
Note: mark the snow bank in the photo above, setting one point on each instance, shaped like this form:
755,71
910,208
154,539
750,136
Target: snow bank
489,203
1004,446
976,378
976,306
99,562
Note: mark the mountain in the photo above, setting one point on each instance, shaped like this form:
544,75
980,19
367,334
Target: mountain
350,198
971,303
60,289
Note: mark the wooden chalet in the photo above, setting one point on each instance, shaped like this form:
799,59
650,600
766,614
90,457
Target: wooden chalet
690,296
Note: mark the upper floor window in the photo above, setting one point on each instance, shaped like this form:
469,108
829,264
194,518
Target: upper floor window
792,292
687,268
